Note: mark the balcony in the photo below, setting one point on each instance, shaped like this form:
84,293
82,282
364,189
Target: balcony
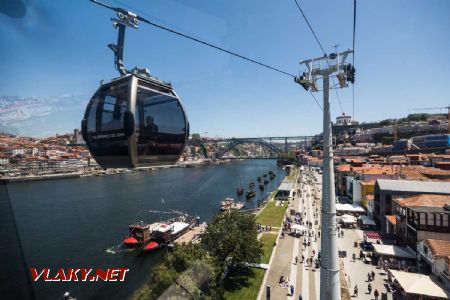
432,228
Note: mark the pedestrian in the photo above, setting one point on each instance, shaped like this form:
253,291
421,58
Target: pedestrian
303,258
373,275
292,290
300,297
369,288
368,277
318,233
355,291
376,294
296,259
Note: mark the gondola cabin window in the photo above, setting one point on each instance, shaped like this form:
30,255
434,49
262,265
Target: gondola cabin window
162,124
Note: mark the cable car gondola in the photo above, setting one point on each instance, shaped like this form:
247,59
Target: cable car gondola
136,119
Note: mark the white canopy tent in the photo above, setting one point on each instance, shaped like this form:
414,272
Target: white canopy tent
348,219
355,208
419,284
396,251
298,227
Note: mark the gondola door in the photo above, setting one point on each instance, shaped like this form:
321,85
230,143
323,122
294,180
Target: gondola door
108,126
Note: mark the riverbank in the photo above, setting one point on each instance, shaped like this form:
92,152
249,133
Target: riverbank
270,215
100,172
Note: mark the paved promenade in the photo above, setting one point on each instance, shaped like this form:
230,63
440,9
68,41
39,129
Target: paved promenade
302,276
356,271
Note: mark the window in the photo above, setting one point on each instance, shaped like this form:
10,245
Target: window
112,113
106,110
422,219
430,219
161,123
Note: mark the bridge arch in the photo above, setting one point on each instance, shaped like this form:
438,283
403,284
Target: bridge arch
236,142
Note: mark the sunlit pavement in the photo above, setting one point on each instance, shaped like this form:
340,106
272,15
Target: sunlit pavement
356,271
304,278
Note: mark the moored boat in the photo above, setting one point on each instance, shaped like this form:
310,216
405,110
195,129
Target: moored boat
250,194
150,246
139,234
229,204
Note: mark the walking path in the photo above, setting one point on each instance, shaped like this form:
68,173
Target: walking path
304,277
356,271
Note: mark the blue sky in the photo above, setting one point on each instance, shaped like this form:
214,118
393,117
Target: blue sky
402,57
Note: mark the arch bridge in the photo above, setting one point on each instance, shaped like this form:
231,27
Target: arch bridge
276,144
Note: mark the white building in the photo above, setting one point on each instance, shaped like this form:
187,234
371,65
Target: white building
18,151
343,120
4,161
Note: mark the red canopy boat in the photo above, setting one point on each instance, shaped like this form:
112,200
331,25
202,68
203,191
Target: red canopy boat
130,242
150,246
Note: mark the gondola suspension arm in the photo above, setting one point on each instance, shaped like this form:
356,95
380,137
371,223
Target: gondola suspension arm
124,19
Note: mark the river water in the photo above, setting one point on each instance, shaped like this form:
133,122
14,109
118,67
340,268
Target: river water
73,223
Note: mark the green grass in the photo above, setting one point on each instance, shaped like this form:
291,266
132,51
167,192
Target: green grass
244,284
293,175
271,214
268,241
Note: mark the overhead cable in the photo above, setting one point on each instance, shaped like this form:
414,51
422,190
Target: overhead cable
144,20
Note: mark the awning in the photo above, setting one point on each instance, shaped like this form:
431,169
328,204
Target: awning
391,250
286,186
340,207
299,227
348,219
419,284
366,220
392,219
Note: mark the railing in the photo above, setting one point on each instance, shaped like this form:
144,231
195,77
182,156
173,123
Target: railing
433,228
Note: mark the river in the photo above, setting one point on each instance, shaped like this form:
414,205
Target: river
72,223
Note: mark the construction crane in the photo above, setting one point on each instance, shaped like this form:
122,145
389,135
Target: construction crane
437,108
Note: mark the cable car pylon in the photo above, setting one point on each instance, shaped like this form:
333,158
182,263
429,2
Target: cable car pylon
326,67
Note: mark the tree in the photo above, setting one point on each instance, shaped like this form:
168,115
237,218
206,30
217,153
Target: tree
231,238
287,158
186,272
196,136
